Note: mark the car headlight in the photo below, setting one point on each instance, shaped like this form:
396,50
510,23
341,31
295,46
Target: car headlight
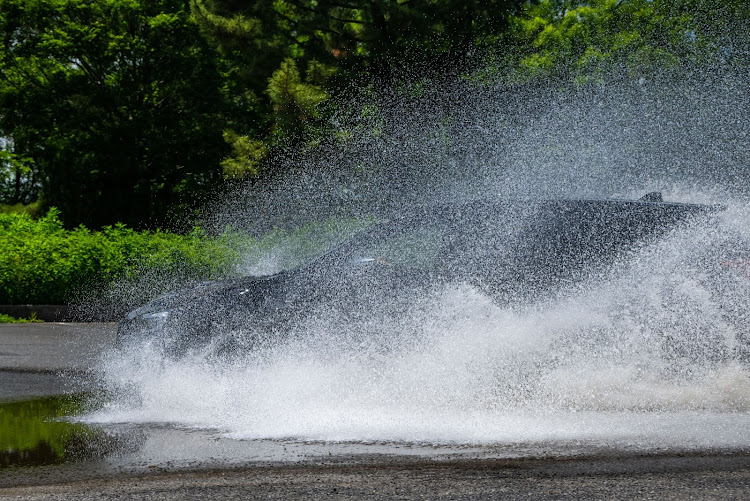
151,321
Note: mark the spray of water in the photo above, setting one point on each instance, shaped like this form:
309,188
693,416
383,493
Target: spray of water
654,353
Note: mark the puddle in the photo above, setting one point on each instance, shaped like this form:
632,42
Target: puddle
58,430
38,432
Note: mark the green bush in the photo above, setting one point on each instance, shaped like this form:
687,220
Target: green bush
41,262
33,209
7,319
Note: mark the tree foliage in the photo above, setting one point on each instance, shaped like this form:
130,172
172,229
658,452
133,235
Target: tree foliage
131,110
367,34
18,176
601,39
117,103
298,53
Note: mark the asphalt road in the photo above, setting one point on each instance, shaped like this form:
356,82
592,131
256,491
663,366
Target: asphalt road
52,347
33,355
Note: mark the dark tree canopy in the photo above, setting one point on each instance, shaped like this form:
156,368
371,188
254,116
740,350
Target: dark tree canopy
118,103
290,55
131,110
358,35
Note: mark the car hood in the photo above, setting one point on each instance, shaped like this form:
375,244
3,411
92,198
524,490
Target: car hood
207,289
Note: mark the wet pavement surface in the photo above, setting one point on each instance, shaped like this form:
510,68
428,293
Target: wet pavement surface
15,385
46,359
53,347
47,456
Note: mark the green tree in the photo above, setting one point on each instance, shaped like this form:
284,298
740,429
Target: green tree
291,55
18,176
294,102
118,104
370,34
599,39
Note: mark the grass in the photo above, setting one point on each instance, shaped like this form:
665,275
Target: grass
7,319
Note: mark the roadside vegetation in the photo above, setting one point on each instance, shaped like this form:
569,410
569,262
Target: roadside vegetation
7,319
41,262
132,111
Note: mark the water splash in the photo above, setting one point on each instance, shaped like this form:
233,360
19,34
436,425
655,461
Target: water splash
654,354
649,355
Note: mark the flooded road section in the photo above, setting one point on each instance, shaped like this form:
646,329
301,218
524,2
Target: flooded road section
67,421
560,414
48,454
53,431
47,404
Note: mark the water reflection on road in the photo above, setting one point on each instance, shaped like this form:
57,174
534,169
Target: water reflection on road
40,432
53,430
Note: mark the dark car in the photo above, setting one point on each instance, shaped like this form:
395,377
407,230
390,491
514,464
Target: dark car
513,251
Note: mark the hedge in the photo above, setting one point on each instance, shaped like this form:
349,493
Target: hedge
42,263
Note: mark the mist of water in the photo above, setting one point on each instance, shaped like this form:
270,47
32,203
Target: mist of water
655,353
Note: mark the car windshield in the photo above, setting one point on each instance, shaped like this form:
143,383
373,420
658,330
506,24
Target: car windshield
496,244
411,248
436,239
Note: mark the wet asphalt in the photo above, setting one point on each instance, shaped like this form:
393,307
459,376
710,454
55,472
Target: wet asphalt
36,360
35,357
52,346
